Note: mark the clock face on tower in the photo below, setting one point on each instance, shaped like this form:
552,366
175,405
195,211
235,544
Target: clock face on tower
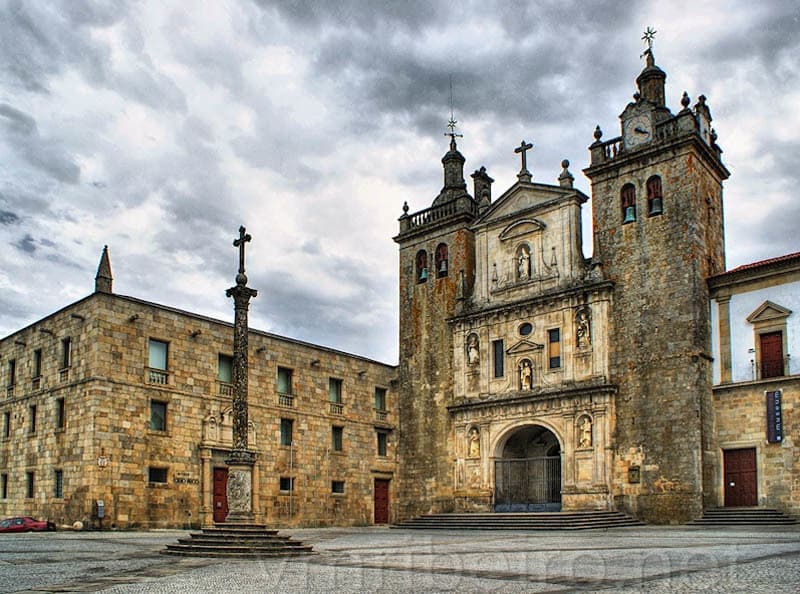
638,130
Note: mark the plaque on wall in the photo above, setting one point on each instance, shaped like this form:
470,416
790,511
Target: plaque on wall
774,417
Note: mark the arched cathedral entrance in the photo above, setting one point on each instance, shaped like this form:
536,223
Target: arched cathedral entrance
527,473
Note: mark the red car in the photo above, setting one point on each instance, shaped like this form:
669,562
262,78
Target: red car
25,524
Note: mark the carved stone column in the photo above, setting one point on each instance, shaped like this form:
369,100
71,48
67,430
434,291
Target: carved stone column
241,460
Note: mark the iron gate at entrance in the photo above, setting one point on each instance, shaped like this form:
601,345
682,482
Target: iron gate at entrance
527,484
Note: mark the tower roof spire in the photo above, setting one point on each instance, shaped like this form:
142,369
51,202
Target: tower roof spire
652,78
103,280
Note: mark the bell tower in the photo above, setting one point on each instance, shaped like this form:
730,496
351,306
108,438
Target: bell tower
437,263
658,234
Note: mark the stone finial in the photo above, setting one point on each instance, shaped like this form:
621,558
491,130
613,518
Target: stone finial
482,183
405,208
598,133
685,101
566,178
104,280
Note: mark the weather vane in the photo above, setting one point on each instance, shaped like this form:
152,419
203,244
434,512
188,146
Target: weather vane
452,123
649,35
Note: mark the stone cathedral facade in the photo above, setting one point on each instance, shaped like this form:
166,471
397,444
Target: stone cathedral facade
533,378
645,379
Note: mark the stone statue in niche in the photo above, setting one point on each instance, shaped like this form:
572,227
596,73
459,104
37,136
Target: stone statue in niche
474,443
585,428
524,263
525,375
583,331
473,350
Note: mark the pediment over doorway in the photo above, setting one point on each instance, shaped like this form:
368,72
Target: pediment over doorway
767,312
524,346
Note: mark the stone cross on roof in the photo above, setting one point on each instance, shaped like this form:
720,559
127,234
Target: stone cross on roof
522,149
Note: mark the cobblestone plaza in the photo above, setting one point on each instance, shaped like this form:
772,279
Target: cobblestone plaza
647,559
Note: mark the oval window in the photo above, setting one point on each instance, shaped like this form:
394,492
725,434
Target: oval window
525,329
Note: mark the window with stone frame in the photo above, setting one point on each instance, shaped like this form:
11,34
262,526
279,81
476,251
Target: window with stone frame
285,381
157,361
158,415
225,368
421,266
337,438
287,427
440,260
32,419
61,419
286,484
37,363
6,424
655,197
337,487
498,353
58,483
4,486
335,390
380,399
157,354
157,474
554,348
12,372
383,442
66,352
30,479
628,203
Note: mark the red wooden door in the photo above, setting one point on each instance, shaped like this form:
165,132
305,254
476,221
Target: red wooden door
771,354
381,501
740,478
220,495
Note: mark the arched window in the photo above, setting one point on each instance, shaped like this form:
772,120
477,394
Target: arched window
628,203
655,199
441,260
422,266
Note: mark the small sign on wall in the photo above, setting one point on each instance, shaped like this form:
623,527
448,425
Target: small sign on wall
774,417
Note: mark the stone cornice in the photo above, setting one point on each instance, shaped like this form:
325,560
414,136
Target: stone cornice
515,398
559,293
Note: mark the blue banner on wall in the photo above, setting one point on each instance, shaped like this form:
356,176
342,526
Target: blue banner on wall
774,417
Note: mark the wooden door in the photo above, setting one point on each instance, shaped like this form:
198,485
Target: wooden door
381,501
220,502
741,487
771,354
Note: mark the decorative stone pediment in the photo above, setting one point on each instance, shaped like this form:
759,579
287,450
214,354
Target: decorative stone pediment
524,346
768,312
520,197
523,228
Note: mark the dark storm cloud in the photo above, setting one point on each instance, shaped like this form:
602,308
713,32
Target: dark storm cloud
26,244
8,218
44,154
771,35
300,308
375,55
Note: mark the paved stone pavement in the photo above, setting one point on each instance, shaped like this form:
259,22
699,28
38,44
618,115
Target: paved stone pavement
646,559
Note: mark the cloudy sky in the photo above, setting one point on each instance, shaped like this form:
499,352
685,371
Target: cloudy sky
158,127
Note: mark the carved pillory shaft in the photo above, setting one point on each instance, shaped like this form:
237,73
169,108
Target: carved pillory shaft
241,459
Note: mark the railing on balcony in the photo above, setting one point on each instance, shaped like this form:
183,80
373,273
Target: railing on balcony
337,408
224,388
286,400
380,414
463,204
157,376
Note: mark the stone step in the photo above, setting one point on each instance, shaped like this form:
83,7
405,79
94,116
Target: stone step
522,521
237,540
743,516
